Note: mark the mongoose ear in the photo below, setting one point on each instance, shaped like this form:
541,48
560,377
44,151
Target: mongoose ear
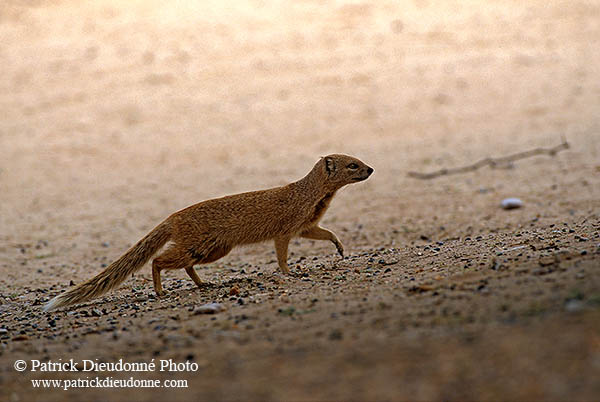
329,166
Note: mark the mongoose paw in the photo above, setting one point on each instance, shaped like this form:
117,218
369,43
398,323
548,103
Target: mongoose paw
161,293
340,249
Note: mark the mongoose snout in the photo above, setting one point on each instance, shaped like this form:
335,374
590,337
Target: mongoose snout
365,177
369,171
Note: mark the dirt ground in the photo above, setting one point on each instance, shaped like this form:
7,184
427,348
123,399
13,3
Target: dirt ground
115,114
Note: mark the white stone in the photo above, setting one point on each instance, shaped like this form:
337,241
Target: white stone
511,203
210,308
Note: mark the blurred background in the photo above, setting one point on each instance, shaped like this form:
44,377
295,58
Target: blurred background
184,100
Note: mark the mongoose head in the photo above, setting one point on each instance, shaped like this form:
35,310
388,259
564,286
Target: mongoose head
343,169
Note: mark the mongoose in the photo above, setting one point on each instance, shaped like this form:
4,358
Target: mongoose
207,231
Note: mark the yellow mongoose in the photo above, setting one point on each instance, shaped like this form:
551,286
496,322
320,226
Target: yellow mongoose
207,231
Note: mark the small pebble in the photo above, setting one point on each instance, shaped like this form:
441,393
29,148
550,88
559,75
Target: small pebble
336,335
573,306
511,203
210,308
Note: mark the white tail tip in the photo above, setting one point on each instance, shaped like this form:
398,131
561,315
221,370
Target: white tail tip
52,304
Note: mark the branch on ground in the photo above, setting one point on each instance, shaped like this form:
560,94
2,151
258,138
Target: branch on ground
492,162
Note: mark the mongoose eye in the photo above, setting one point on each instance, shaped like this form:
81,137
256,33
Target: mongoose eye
352,166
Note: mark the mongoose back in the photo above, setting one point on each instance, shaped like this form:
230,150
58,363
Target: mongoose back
207,231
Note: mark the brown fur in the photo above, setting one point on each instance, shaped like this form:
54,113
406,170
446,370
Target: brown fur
207,231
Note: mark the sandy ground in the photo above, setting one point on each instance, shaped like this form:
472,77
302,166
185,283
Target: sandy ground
115,114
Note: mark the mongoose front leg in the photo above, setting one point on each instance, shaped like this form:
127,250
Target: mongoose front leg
318,233
281,247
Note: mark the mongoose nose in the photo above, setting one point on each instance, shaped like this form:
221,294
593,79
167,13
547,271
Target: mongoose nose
369,171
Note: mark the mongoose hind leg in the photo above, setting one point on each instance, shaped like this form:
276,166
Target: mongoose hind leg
156,268
214,254
192,274
319,233
172,258
178,257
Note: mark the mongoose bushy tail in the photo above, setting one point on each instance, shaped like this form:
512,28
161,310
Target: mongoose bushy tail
116,272
204,232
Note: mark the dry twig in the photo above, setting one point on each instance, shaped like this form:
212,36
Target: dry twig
492,162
